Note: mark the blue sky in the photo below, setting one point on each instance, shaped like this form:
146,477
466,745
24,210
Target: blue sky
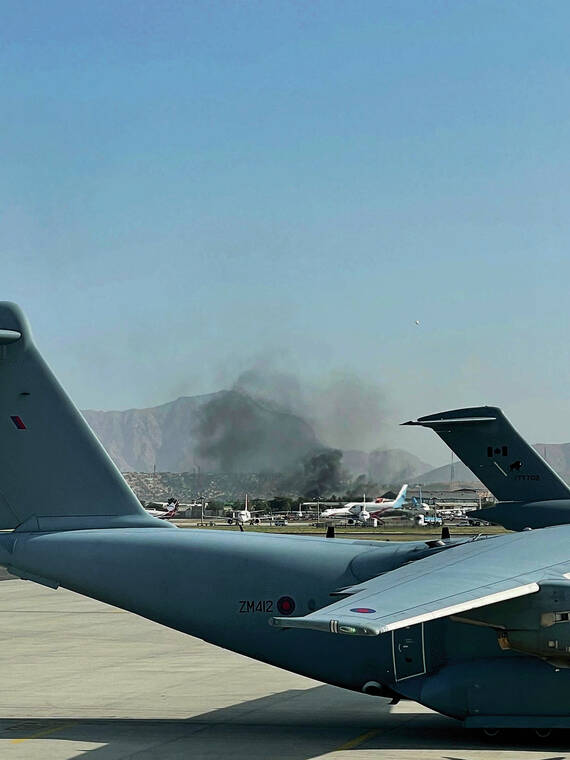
190,186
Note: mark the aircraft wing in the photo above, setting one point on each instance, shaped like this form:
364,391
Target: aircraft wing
468,576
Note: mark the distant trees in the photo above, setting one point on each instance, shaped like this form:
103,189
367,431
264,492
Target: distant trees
281,504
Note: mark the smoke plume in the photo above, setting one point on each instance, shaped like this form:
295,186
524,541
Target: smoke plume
226,432
236,430
345,410
349,412
322,473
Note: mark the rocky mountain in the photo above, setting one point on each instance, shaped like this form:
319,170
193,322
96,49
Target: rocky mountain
226,431
230,432
556,454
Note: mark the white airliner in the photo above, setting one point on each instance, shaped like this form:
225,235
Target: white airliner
244,516
357,511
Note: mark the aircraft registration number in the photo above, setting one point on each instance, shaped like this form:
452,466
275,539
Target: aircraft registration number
255,605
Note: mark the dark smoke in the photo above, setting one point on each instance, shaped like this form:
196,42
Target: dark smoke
236,430
226,432
238,433
274,388
349,412
322,473
344,410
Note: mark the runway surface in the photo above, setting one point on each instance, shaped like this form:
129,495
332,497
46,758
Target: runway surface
81,679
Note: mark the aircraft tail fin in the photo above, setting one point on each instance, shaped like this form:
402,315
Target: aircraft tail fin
487,443
401,497
55,474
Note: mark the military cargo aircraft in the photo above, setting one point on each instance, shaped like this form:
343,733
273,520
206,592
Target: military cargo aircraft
477,629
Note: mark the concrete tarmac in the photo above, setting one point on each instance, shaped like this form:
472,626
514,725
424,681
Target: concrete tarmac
81,679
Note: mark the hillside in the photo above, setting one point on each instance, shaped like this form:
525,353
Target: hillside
220,432
229,432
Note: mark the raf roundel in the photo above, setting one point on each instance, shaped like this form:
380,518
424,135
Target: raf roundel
363,610
286,605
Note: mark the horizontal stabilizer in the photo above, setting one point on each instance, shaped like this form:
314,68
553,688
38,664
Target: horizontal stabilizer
487,443
468,576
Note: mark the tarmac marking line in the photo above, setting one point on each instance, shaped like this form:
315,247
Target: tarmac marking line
45,732
358,740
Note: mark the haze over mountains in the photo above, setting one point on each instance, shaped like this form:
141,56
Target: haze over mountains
384,465
226,431
231,432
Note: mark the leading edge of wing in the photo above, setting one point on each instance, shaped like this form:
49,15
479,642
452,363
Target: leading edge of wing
471,575
359,624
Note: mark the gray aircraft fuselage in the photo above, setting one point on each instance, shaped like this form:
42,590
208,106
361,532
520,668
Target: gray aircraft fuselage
224,586
221,586
479,630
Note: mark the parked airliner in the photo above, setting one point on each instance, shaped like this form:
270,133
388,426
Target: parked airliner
357,511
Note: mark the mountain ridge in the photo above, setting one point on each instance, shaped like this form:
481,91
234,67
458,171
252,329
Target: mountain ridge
217,431
232,432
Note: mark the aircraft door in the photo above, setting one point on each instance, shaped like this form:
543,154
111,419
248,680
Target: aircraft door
408,652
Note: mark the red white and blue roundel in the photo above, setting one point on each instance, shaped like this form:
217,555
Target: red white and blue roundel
363,610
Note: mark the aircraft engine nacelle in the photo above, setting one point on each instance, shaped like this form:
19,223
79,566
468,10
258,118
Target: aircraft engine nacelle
351,521
364,516
256,521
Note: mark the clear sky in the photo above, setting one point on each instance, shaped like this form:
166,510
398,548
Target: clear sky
189,186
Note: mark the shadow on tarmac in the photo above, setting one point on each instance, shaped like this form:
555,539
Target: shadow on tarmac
291,725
